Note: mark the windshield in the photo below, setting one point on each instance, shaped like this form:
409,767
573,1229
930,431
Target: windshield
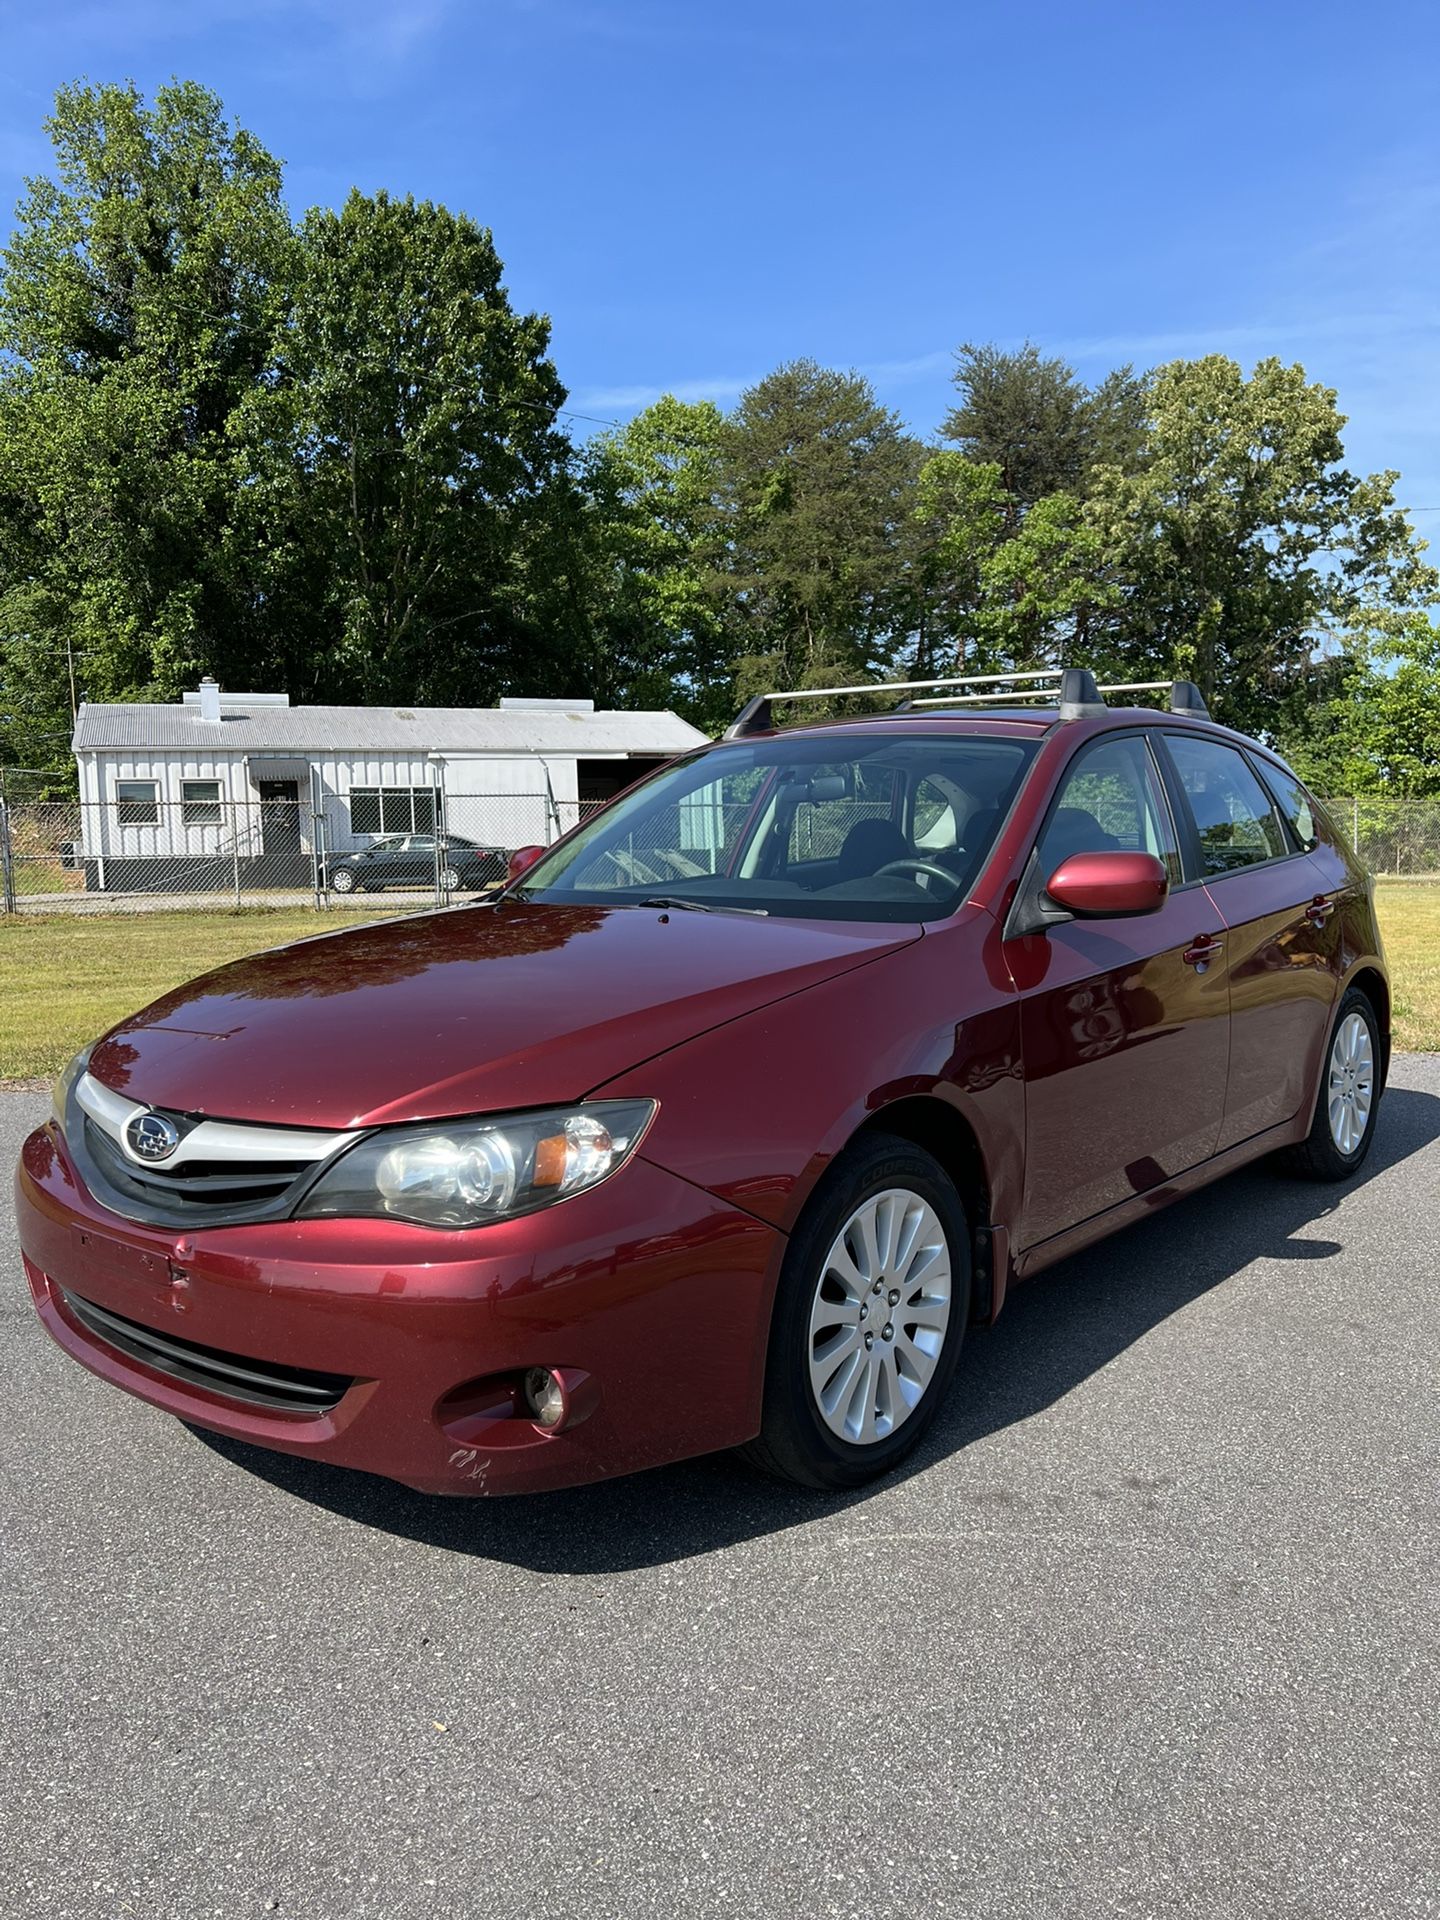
862,828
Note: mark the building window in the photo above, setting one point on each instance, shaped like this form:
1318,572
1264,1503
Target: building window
200,803
136,804
392,809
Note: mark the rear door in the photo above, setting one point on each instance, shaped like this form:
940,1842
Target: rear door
1124,1022
1278,931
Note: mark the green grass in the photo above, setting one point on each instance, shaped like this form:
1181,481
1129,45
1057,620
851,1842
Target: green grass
66,977
1410,924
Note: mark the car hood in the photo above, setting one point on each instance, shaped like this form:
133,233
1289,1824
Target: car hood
473,1010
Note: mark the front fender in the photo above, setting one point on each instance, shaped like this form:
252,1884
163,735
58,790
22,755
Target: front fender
756,1110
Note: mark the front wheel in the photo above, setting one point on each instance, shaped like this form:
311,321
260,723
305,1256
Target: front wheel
869,1317
1347,1102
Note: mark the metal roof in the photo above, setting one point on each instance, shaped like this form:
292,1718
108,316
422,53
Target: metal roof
444,730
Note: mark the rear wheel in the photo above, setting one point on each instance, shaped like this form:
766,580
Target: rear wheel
1348,1100
342,881
449,879
869,1318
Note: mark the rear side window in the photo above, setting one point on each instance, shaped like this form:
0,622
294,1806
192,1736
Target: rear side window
1293,802
1111,801
1234,816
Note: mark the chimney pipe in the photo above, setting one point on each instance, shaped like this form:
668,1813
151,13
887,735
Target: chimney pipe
210,700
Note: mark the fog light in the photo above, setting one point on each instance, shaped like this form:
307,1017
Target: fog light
545,1397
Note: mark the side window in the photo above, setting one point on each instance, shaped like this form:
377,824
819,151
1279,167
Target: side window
1293,802
136,804
1234,815
200,802
1111,801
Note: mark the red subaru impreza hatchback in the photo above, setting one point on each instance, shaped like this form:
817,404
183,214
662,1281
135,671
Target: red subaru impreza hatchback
720,1126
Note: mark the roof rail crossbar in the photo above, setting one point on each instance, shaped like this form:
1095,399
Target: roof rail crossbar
989,699
1074,690
757,716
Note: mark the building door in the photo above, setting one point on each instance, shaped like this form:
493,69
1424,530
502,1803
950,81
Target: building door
282,852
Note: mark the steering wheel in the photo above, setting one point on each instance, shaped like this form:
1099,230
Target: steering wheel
905,868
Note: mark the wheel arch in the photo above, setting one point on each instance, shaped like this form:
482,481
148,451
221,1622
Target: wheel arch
944,1132
1370,981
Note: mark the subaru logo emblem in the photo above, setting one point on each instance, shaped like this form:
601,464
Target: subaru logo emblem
150,1136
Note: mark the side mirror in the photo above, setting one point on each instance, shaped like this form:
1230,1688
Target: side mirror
1090,885
521,861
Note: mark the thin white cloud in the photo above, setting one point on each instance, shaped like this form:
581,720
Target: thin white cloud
633,399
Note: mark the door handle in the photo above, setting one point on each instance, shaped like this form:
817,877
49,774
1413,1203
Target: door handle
1202,950
1319,910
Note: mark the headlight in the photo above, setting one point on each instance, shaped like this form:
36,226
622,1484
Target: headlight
468,1172
60,1094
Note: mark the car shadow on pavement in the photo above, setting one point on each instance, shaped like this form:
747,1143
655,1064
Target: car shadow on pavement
1055,1332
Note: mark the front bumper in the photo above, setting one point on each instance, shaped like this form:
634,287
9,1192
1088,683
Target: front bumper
652,1297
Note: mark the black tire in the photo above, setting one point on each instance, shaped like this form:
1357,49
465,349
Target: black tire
342,880
794,1442
1320,1156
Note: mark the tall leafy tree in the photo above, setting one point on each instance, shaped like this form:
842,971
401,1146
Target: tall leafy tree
1377,732
1247,549
653,526
139,296
1008,590
408,452
815,492
1033,418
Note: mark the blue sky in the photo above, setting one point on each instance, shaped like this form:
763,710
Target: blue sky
695,193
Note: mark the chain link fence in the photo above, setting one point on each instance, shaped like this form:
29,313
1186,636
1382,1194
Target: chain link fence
1396,839
144,852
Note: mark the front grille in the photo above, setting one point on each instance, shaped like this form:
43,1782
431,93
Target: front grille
198,1183
220,1173
255,1383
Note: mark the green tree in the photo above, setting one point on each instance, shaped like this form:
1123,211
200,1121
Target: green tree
1378,732
653,528
1039,424
1247,551
816,489
1008,591
138,301
406,457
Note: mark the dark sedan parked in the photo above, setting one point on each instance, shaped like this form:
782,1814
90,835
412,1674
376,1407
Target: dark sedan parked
408,860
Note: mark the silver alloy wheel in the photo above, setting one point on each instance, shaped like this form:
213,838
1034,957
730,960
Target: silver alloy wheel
342,880
878,1319
449,879
1351,1089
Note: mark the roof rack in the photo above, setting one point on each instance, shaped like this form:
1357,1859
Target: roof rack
1072,689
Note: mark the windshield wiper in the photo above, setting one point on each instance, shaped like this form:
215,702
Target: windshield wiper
667,901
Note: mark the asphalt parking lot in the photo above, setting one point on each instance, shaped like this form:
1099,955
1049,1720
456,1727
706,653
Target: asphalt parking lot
1150,1629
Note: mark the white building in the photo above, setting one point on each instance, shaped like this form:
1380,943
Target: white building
246,778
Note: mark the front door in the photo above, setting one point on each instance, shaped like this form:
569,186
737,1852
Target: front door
282,851
1124,1022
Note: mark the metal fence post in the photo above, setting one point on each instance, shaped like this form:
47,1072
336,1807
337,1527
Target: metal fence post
1355,822
235,851
7,860
442,850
